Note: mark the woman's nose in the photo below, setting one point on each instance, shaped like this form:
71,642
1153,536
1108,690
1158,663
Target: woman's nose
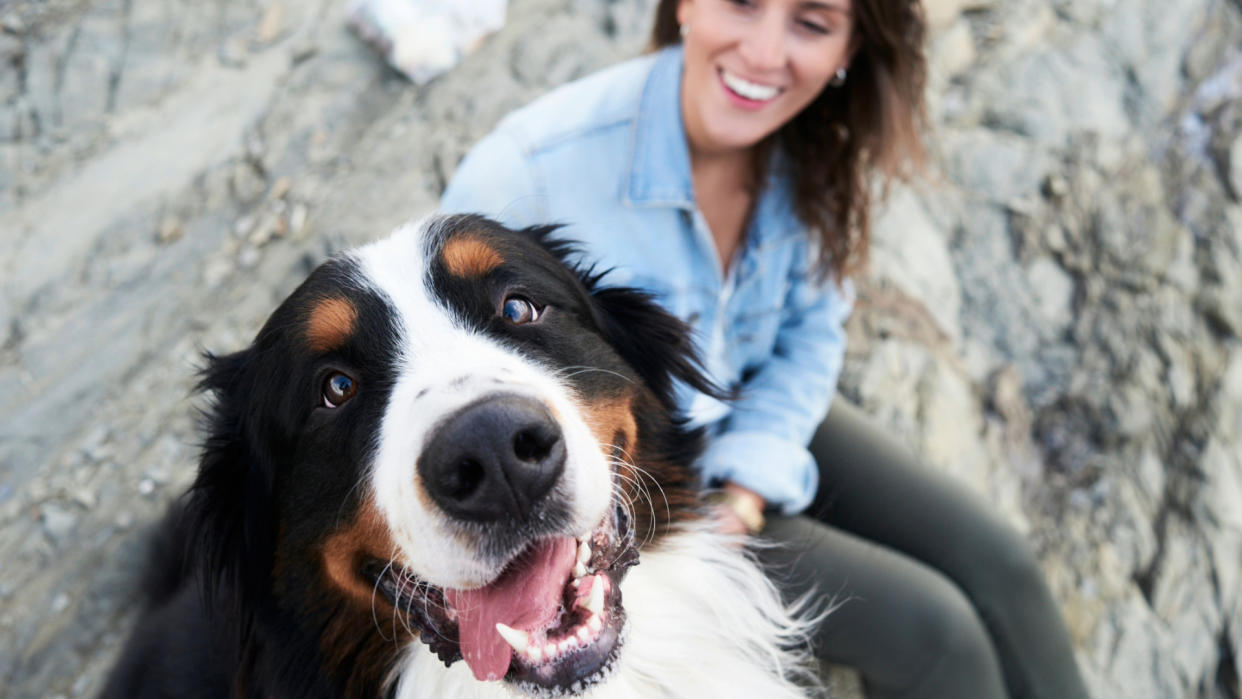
763,45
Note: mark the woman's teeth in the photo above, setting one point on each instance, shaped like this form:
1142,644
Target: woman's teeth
747,89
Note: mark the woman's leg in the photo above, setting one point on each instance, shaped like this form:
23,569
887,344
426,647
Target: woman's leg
874,489
908,630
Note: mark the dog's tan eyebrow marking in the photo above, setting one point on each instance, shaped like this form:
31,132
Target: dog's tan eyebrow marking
469,257
331,323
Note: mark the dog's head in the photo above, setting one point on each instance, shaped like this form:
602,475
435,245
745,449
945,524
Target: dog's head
451,435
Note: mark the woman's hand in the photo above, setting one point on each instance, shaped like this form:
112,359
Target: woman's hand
739,511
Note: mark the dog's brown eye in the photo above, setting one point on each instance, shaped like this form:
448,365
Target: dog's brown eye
518,310
338,389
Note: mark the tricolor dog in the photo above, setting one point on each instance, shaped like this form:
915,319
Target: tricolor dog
450,466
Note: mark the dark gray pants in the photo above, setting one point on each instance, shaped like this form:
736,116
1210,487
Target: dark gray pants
939,597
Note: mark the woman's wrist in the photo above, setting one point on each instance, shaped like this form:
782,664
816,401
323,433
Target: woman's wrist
744,503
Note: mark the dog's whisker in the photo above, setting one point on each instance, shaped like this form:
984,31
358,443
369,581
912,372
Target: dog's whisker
572,371
642,492
374,590
639,479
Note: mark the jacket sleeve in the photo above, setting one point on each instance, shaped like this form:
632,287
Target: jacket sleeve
763,442
496,179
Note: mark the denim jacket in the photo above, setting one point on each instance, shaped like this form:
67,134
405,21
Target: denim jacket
607,156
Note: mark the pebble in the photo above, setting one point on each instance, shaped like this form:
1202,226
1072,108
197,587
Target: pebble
243,226
269,227
60,603
297,220
85,498
1055,186
146,486
248,257
13,24
302,50
280,188
247,184
233,53
271,23
215,271
170,231
57,521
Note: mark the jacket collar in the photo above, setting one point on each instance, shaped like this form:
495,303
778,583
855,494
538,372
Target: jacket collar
659,157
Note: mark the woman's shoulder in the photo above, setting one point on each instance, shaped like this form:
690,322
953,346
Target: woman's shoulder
605,99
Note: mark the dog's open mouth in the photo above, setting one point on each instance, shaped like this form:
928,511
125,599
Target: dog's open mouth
552,620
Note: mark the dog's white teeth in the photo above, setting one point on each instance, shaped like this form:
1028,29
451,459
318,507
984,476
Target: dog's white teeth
584,552
584,634
535,653
579,570
595,603
568,644
594,623
520,640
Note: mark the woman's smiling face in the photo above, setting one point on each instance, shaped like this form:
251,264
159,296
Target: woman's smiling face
752,65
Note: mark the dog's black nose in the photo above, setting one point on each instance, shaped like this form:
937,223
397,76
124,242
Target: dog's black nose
494,458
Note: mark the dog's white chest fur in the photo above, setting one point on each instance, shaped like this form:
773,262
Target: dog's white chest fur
703,621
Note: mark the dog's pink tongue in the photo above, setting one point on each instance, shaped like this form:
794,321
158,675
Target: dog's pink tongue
526,596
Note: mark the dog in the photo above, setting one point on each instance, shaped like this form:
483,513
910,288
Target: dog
450,465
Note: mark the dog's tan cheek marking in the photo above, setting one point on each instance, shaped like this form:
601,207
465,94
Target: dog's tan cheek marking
468,257
345,550
330,325
611,418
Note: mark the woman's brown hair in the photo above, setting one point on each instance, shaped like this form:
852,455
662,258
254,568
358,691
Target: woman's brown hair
872,123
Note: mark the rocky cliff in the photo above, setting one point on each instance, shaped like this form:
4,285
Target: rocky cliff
1053,316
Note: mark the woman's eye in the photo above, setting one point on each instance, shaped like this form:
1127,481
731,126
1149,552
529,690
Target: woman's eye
519,311
814,27
337,389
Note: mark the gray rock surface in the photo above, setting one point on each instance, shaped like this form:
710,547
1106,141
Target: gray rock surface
1054,317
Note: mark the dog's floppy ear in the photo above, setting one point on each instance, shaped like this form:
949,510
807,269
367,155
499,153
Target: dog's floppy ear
657,344
230,504
653,341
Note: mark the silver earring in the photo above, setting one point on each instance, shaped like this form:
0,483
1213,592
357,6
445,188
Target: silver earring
683,30
838,78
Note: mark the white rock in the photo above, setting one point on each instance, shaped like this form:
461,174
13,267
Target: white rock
58,521
1053,289
953,51
424,38
908,252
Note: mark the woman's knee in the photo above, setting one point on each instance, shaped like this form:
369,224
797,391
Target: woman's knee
1000,569
946,649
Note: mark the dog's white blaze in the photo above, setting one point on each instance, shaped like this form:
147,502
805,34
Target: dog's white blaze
703,620
442,366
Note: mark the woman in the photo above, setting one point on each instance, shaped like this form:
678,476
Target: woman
729,173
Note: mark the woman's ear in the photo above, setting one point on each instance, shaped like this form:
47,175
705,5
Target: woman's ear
685,9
